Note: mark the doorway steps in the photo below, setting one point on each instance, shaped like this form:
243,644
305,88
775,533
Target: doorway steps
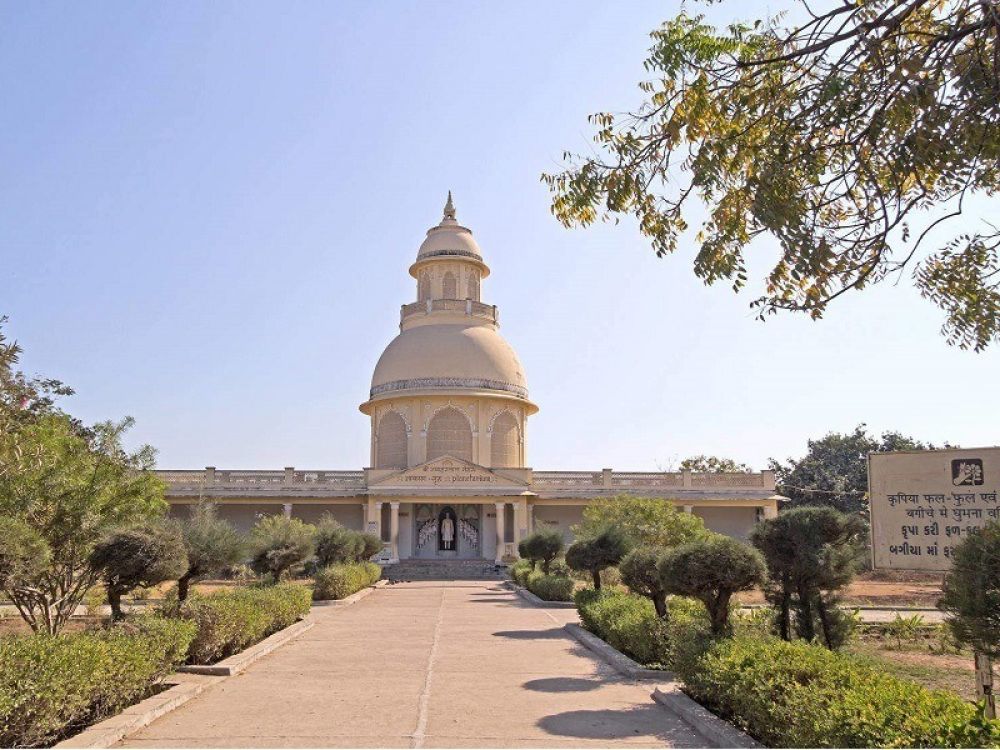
444,570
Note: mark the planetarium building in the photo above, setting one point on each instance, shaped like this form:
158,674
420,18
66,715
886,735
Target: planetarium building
449,475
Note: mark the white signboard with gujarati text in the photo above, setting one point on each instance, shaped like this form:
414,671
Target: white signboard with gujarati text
923,503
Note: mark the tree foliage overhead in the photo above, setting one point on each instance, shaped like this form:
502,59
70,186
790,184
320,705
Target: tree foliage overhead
713,465
848,137
649,521
834,470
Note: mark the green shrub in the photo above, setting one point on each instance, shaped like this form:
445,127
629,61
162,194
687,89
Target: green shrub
712,570
51,686
212,546
520,571
551,588
339,581
230,621
627,622
543,547
640,574
278,544
972,590
799,695
598,553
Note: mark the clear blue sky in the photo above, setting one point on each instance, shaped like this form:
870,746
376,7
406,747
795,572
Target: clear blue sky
207,211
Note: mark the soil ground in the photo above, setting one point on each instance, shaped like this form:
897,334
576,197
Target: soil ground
881,588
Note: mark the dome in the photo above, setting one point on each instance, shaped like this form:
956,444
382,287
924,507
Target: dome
449,357
446,239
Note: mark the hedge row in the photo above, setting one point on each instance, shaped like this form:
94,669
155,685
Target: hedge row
51,686
627,622
230,621
342,580
798,695
555,587
784,694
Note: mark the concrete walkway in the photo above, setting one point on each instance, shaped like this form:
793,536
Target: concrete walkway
430,664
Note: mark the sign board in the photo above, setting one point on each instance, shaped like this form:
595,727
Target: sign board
923,503
446,472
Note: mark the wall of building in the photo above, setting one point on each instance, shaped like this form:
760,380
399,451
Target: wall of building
736,522
558,517
349,516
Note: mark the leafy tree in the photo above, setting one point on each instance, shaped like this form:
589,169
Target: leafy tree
594,555
212,545
70,489
713,465
544,546
370,545
712,570
334,543
644,520
278,544
139,556
23,398
848,138
834,470
811,553
640,574
971,590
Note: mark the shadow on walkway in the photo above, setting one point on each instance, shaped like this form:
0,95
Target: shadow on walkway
562,684
531,635
622,724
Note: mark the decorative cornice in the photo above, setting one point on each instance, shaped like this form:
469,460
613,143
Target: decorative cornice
438,253
445,383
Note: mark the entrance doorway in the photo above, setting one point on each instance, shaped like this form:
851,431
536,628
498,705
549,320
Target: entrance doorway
447,531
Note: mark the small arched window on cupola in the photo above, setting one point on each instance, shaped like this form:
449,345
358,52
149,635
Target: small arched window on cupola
391,453
449,286
474,286
424,287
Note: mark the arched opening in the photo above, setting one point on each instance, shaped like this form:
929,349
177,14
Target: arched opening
504,442
449,434
424,287
449,286
391,452
474,286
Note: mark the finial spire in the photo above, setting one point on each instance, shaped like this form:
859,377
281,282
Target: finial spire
449,209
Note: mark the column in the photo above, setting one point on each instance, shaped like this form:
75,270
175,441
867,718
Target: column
771,511
377,518
520,519
500,531
286,509
394,532
689,509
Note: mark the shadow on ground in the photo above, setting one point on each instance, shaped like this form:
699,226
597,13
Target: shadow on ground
562,684
623,724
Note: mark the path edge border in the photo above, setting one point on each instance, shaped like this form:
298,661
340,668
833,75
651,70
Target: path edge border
668,694
113,729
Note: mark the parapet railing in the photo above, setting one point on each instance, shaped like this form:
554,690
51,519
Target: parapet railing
463,306
626,480
212,476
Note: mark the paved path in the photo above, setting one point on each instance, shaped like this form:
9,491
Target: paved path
456,664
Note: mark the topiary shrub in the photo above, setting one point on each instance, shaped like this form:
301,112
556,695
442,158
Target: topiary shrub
136,557
639,572
51,686
551,588
597,553
336,544
800,695
811,553
278,544
542,547
712,570
230,621
340,581
627,622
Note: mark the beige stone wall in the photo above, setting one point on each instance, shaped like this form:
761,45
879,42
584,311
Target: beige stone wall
350,516
735,522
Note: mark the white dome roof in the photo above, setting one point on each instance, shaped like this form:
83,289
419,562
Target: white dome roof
448,239
449,357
